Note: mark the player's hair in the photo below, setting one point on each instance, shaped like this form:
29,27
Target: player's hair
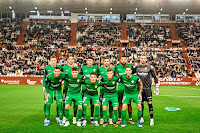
128,67
143,55
123,56
106,58
57,68
70,56
53,56
93,73
109,70
90,58
74,69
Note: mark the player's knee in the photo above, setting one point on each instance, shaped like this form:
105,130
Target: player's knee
67,106
85,104
48,106
139,106
114,108
149,102
104,107
80,107
124,106
96,105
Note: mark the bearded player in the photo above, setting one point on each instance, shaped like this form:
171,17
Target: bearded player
146,72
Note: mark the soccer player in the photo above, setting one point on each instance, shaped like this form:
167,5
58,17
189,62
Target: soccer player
131,92
53,90
102,73
120,70
110,94
49,69
86,71
145,72
68,69
74,80
91,93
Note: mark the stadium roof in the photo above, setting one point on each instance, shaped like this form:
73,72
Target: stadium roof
103,6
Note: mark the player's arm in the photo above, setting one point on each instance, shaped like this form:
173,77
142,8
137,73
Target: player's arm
47,84
83,88
43,81
155,79
140,86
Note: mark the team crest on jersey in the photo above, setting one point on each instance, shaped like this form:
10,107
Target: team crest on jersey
113,82
78,80
96,86
60,80
132,81
145,68
94,70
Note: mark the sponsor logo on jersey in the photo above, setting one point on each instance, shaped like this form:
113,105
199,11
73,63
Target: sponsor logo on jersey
142,73
110,88
74,85
128,85
56,85
49,70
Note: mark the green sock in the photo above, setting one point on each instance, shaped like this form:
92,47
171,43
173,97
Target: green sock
139,115
44,107
123,116
96,108
105,115
47,111
75,109
130,115
60,111
80,112
67,114
57,113
120,114
101,111
110,111
84,112
115,115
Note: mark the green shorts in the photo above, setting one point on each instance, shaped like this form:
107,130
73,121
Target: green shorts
121,89
112,98
55,95
128,97
76,97
86,99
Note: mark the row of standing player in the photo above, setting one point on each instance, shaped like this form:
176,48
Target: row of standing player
144,71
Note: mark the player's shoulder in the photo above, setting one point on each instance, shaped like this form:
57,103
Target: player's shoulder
118,65
50,75
129,65
80,76
47,67
87,81
150,66
63,75
115,77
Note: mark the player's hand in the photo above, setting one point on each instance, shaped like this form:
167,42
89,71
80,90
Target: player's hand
140,96
44,89
47,96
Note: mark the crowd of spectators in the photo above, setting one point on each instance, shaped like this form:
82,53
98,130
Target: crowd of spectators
101,35
149,35
47,34
190,34
10,30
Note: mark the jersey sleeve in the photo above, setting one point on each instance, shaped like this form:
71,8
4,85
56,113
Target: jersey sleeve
153,74
44,78
83,88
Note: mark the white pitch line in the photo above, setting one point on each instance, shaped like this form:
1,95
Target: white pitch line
175,96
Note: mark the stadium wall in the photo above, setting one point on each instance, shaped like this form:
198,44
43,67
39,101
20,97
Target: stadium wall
163,81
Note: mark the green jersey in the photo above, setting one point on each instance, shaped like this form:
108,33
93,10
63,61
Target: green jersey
110,86
120,70
67,69
53,83
74,85
130,84
91,89
103,71
86,71
48,69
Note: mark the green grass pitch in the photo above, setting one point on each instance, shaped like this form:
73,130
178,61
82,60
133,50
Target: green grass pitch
21,110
